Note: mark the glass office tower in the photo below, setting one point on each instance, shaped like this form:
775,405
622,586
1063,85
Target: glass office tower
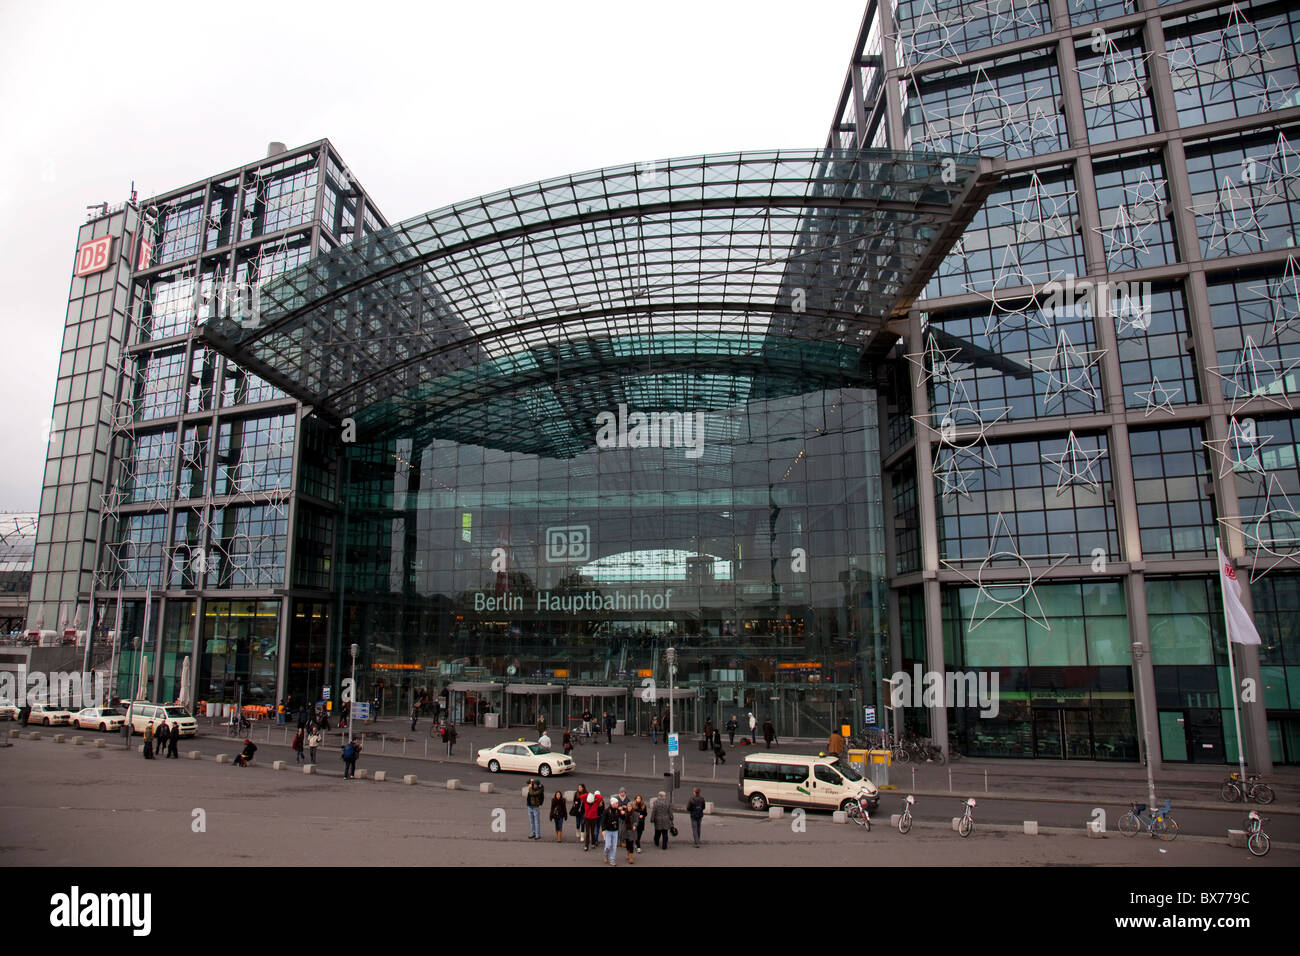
176,478
1099,379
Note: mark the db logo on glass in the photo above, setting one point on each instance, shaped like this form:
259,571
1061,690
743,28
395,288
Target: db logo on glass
92,256
571,543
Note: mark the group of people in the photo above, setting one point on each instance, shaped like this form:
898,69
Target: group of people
610,823
165,740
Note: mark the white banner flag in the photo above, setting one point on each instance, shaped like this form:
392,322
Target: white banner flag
1241,629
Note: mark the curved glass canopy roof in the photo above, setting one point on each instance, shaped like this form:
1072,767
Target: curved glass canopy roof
691,283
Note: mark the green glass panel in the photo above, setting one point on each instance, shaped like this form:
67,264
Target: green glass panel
1108,641
1060,600
1062,646
997,643
1180,639
1173,740
1275,696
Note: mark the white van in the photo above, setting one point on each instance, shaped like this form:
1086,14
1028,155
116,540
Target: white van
794,780
144,715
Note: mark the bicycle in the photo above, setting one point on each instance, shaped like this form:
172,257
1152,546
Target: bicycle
967,822
241,729
1162,825
1233,789
905,818
859,811
1257,842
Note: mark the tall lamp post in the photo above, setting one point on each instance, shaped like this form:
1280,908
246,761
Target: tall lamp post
351,716
1139,650
670,655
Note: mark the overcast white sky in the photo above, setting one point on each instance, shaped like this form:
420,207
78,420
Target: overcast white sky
428,103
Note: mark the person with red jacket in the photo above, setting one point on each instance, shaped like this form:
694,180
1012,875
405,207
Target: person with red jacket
591,818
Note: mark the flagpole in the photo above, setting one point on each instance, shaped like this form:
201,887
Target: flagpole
117,639
1232,670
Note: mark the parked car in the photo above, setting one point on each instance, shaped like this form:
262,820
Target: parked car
144,714
525,757
8,709
797,780
99,718
50,715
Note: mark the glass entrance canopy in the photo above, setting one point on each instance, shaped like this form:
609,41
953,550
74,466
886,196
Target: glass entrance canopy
705,281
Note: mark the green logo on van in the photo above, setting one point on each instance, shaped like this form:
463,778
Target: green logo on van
802,790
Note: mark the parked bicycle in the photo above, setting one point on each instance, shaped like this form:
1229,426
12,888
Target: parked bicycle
1257,840
967,822
859,811
240,729
905,818
1233,789
1161,824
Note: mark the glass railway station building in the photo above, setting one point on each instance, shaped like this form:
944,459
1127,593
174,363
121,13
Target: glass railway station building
972,387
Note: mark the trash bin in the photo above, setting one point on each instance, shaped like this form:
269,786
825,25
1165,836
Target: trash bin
859,760
618,728
491,721
880,762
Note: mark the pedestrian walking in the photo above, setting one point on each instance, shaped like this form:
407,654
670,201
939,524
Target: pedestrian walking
350,760
545,741
627,830
769,733
590,820
559,813
610,824
173,742
541,725
302,717
161,737
313,741
661,818
610,723
695,807
568,743
640,811
297,746
534,800
579,809
753,730
415,715
719,755
654,731
148,742
731,730
449,734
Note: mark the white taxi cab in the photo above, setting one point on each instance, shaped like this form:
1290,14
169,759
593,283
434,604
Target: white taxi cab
99,718
524,756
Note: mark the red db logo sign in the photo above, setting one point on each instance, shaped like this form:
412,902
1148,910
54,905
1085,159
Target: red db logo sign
92,256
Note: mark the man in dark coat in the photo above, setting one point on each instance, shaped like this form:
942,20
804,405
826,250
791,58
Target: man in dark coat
161,737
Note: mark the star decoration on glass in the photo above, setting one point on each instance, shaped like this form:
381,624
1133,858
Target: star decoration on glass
1239,452
1068,369
1076,466
1244,49
1277,96
1118,80
1238,51
1123,239
1282,295
934,362
998,593
933,37
1254,376
952,479
1233,218
1274,535
989,122
1158,397
1005,309
1039,214
962,426
1007,15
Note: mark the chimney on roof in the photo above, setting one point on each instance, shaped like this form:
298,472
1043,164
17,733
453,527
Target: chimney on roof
274,149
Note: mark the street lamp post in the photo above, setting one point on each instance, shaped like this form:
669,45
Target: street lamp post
351,709
1139,650
670,655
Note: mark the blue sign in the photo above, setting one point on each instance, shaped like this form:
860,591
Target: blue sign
672,745
360,711
325,692
869,715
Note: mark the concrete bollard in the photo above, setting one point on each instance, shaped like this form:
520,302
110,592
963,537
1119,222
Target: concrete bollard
775,813
381,776
15,733
78,741
894,818
58,738
409,779
1031,828
193,755
34,735
277,764
840,816
453,784
363,775
487,788
1237,838
224,758
708,806
309,768
100,745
